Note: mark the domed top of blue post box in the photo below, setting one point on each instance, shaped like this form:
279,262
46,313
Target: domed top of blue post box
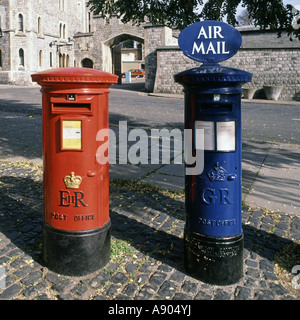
209,74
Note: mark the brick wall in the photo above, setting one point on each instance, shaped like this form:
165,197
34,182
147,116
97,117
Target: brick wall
278,67
269,67
272,61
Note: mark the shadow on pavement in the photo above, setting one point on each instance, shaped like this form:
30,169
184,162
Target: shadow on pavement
150,221
136,85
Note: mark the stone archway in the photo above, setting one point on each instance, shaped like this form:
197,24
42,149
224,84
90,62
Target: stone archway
87,63
103,41
111,52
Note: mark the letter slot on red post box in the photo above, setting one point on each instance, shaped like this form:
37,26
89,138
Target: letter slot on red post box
76,230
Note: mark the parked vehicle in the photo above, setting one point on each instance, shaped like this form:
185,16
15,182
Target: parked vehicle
138,73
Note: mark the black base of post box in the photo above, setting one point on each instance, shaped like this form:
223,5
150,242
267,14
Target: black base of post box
76,253
214,260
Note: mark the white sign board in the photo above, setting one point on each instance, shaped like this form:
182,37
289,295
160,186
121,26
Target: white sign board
226,136
209,135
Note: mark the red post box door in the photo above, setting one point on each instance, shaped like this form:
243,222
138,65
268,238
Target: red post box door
77,194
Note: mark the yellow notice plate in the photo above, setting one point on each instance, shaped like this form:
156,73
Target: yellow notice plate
71,134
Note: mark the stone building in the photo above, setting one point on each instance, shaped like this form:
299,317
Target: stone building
37,35
99,46
273,61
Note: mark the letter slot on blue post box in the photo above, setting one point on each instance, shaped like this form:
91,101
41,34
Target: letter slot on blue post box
213,250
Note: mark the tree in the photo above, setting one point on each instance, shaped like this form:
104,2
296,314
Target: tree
267,14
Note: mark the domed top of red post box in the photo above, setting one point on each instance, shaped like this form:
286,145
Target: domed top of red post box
74,77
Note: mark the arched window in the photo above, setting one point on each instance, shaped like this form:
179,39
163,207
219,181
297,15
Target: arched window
62,5
67,60
21,58
40,58
60,60
1,63
1,26
39,25
20,23
62,31
89,22
87,63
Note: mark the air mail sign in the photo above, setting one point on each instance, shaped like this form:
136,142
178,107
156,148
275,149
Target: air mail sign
210,41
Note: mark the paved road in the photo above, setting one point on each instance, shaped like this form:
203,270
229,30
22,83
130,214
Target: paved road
21,111
271,122
263,122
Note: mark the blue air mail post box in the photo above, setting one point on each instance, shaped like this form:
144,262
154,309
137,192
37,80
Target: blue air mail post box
213,250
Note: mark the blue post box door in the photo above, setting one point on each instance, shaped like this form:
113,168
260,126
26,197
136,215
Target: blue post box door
213,104
214,197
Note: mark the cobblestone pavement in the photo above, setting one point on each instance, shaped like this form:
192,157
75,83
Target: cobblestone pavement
147,248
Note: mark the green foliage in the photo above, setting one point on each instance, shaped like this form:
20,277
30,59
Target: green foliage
267,14
120,250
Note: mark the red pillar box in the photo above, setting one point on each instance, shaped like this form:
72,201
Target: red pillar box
76,230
